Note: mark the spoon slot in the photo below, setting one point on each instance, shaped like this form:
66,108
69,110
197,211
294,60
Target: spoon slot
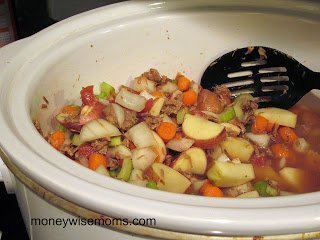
272,69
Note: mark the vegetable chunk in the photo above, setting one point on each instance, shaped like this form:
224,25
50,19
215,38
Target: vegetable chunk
280,116
228,174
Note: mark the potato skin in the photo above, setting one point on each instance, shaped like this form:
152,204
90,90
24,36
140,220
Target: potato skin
211,143
209,101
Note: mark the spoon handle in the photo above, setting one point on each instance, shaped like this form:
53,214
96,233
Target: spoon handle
311,80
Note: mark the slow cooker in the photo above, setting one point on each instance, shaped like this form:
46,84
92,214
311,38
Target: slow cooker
114,44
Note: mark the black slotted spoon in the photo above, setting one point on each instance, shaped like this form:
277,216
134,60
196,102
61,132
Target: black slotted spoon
271,76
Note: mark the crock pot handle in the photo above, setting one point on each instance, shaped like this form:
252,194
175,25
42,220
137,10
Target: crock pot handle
7,178
7,53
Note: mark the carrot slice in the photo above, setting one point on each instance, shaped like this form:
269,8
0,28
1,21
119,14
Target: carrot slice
183,83
287,134
270,126
57,139
157,94
280,150
178,135
97,159
209,190
189,97
260,125
71,110
167,130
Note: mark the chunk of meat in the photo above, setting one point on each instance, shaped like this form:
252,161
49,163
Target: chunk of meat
99,144
112,163
224,95
153,121
69,150
130,119
171,106
249,108
155,76
110,115
209,101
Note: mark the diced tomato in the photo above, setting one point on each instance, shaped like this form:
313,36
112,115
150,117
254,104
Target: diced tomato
148,106
259,160
85,150
87,96
131,146
73,126
96,112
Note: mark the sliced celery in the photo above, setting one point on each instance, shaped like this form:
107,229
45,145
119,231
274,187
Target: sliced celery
115,141
126,170
113,173
238,102
174,81
76,140
264,189
61,128
261,187
102,170
227,115
181,114
106,90
152,184
238,110
271,191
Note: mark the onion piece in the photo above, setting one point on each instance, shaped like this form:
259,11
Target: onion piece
98,128
180,145
142,158
231,129
166,118
130,100
157,106
142,83
197,184
195,87
212,114
285,193
136,178
84,161
175,94
223,158
102,170
160,148
119,112
147,95
301,145
141,135
262,140
169,87
121,151
282,163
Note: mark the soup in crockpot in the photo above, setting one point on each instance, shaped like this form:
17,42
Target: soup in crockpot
172,135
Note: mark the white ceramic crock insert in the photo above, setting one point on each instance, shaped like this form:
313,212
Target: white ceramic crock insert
118,42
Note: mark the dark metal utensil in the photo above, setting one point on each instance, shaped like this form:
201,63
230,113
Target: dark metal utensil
271,76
